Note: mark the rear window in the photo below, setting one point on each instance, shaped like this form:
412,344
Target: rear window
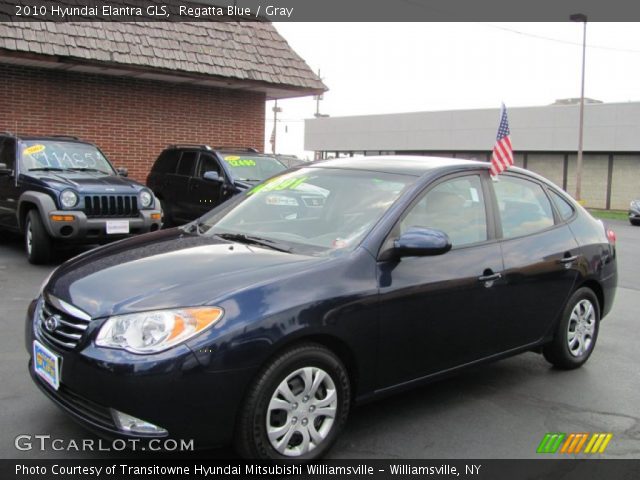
187,163
167,162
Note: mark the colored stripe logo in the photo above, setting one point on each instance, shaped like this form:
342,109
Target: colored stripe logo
574,443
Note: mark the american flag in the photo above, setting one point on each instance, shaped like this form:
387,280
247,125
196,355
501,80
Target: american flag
502,156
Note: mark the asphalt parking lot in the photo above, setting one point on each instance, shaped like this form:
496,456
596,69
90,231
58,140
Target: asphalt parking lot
498,411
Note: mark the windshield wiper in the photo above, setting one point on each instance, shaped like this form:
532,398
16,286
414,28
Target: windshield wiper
251,239
85,169
47,169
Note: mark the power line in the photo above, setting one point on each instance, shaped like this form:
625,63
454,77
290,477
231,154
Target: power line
558,40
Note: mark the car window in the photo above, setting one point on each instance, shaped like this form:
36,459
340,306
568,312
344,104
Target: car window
524,207
564,207
454,206
167,162
208,164
8,152
187,163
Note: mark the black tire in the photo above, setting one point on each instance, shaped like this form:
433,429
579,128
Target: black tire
39,252
251,439
559,352
635,223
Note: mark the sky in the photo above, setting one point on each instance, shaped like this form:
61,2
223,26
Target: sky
377,68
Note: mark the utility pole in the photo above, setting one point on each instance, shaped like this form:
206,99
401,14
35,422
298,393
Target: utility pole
580,17
275,110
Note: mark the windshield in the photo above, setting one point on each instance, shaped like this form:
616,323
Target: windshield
61,155
312,210
252,167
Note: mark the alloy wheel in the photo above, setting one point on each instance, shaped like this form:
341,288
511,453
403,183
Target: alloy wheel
581,328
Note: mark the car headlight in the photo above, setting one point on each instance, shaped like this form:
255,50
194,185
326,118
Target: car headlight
68,199
152,332
146,199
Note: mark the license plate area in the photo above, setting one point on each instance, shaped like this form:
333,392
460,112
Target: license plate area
47,364
115,227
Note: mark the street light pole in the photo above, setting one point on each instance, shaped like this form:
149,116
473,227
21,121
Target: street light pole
580,17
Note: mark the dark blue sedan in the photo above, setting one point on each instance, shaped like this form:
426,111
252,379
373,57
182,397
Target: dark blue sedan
264,321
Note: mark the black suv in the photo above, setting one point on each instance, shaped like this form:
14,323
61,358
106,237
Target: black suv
61,189
190,180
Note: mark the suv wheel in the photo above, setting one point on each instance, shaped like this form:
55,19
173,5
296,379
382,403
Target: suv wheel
36,239
296,407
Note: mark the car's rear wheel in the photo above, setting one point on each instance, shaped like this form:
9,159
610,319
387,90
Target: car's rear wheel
296,407
577,331
36,239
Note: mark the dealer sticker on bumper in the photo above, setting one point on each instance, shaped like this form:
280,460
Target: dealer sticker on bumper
46,364
117,226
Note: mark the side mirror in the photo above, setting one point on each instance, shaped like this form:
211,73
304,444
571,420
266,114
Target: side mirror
421,242
123,172
4,170
213,176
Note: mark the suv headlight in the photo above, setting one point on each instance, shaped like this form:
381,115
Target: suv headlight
68,199
152,332
146,199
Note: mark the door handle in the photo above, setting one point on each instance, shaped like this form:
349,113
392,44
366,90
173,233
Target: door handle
567,261
489,277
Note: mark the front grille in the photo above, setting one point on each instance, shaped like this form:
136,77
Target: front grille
68,329
111,205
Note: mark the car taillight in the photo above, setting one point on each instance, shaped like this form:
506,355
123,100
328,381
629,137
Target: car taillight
611,235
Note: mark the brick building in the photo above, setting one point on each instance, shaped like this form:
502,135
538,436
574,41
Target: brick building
133,88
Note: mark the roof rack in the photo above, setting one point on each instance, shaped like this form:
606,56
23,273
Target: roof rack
72,137
189,145
238,149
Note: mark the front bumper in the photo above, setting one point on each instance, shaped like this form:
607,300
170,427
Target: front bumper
169,389
634,214
83,228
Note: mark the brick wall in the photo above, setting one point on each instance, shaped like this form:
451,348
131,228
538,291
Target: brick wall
130,120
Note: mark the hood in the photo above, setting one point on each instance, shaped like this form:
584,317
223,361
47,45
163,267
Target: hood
167,269
88,182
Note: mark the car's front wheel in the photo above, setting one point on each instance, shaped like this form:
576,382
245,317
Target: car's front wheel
36,239
634,222
577,331
296,407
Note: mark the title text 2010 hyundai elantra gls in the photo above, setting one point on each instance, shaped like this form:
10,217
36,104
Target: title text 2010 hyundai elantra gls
263,322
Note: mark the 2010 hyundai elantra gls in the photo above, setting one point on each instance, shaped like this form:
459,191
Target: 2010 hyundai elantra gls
264,321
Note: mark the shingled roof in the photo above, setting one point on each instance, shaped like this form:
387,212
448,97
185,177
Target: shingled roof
250,55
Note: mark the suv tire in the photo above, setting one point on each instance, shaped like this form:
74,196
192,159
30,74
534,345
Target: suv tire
36,239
